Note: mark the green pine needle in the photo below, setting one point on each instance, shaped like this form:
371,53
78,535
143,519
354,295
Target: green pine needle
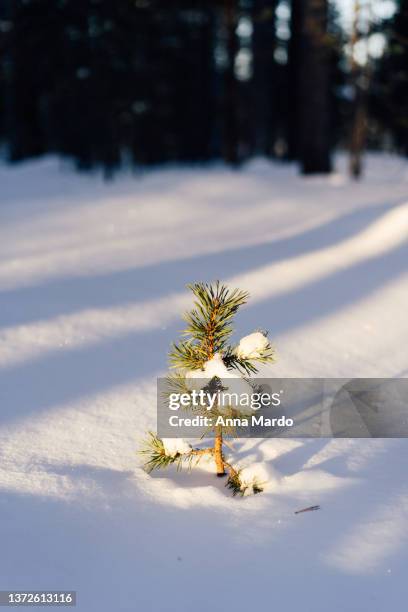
247,366
235,484
153,449
208,324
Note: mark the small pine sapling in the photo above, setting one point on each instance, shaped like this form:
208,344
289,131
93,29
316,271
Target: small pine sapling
205,353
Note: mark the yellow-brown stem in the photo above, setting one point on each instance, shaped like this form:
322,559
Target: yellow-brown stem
219,460
210,331
218,457
201,451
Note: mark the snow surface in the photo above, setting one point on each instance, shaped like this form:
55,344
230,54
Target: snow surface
92,278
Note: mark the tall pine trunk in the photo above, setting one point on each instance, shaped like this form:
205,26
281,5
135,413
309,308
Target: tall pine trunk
360,79
230,97
294,100
264,77
313,86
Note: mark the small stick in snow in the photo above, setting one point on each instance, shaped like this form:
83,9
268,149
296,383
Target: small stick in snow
309,509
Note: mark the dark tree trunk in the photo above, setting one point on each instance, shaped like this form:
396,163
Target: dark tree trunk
357,135
230,98
294,100
359,78
264,77
314,92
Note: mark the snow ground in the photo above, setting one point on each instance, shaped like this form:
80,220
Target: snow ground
92,280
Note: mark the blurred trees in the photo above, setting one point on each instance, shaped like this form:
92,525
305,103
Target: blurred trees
147,81
389,98
109,81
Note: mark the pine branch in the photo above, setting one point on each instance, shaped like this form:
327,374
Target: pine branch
175,383
247,366
187,356
208,324
153,449
237,486
244,366
234,484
